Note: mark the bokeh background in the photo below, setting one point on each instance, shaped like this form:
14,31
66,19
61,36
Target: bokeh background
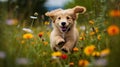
25,31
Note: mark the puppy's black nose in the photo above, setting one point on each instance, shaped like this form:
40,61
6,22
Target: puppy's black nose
63,23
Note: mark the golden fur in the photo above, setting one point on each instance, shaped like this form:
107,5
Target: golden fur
64,35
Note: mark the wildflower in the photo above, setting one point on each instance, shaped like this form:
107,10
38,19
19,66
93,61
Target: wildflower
96,54
47,23
45,43
82,28
82,34
82,38
22,61
75,49
2,55
35,14
27,30
57,54
22,42
100,62
114,13
105,52
12,21
113,30
64,56
33,17
71,64
96,30
89,50
91,22
40,34
99,37
27,36
54,57
83,63
92,33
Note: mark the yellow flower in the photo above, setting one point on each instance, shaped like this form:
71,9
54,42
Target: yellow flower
47,23
58,54
99,37
83,34
92,33
22,42
113,30
96,54
96,30
45,43
91,22
83,63
89,50
105,52
27,36
82,38
75,49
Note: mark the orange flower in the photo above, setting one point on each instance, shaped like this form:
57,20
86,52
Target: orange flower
114,13
92,33
75,49
89,50
28,36
71,63
45,43
83,63
113,30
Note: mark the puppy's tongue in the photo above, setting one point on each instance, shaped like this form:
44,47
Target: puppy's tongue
64,29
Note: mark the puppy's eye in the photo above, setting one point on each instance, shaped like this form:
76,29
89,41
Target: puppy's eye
68,17
59,18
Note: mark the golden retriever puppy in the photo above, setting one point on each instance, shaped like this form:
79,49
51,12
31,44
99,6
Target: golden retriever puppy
64,35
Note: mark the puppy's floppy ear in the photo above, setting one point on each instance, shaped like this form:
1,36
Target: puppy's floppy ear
51,14
79,9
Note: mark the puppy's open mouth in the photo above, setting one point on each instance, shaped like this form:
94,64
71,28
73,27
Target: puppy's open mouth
64,29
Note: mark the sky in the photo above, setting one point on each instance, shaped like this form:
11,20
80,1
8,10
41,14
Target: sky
59,3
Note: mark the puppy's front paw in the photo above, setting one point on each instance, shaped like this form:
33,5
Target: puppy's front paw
60,42
65,49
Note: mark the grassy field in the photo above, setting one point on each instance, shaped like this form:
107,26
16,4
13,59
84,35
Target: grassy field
26,43
30,47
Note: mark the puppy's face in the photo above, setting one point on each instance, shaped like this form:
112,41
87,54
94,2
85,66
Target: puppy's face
64,19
